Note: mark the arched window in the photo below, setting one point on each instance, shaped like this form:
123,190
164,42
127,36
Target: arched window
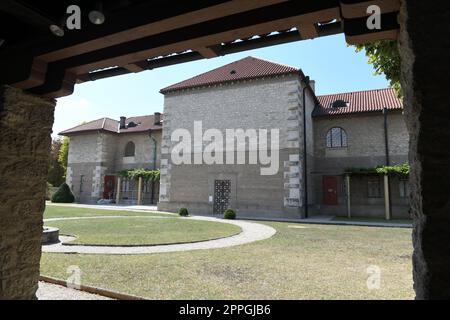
336,138
130,149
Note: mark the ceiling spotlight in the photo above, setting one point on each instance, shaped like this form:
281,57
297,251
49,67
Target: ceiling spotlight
57,30
97,16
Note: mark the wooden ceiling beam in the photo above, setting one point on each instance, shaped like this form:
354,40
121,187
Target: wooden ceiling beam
178,22
307,30
372,37
209,52
135,67
255,43
36,75
351,10
207,39
199,16
66,87
356,31
229,35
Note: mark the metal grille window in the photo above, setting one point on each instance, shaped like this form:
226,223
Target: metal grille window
404,188
336,138
374,187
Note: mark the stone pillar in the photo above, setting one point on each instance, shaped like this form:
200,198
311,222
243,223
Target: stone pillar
119,189
349,197
139,195
25,126
425,51
387,200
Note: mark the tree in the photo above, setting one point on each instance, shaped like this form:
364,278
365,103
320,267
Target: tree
64,154
56,172
385,58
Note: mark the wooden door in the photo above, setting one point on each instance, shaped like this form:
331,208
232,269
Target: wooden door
330,185
108,192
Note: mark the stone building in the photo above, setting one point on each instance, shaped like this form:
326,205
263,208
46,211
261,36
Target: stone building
251,104
100,149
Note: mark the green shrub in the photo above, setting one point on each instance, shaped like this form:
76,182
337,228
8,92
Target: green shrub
63,195
183,212
229,214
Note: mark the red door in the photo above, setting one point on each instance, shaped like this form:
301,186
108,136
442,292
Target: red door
330,184
108,192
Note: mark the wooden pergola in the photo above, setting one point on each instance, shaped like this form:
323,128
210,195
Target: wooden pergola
142,35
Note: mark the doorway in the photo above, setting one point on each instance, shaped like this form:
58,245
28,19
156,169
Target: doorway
222,195
330,185
108,192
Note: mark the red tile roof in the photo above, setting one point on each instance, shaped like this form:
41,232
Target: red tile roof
358,102
244,69
144,124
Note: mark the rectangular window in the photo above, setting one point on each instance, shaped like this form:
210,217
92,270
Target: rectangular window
81,183
126,185
374,187
404,188
147,186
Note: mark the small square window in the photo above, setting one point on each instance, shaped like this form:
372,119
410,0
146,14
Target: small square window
403,188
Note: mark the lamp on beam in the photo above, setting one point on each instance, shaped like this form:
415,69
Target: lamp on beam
58,30
97,16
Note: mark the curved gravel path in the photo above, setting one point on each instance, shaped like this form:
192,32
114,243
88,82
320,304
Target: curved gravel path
251,232
48,291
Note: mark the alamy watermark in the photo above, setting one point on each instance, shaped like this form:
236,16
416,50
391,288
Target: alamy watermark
74,279
212,147
374,20
374,280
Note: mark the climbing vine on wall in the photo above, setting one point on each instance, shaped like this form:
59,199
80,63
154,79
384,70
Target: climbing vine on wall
146,175
401,170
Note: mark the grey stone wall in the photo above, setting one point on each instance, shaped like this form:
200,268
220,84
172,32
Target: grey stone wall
253,195
366,149
25,127
96,154
425,48
91,157
365,138
272,103
144,157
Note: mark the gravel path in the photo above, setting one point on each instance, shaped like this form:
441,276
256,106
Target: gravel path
251,232
49,291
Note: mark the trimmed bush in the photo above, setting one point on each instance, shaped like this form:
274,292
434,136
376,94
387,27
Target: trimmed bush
63,195
229,214
183,212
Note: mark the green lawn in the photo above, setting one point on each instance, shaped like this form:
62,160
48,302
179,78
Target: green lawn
52,211
299,262
365,219
142,231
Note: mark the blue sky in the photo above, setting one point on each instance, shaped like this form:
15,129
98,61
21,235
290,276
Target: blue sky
335,67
